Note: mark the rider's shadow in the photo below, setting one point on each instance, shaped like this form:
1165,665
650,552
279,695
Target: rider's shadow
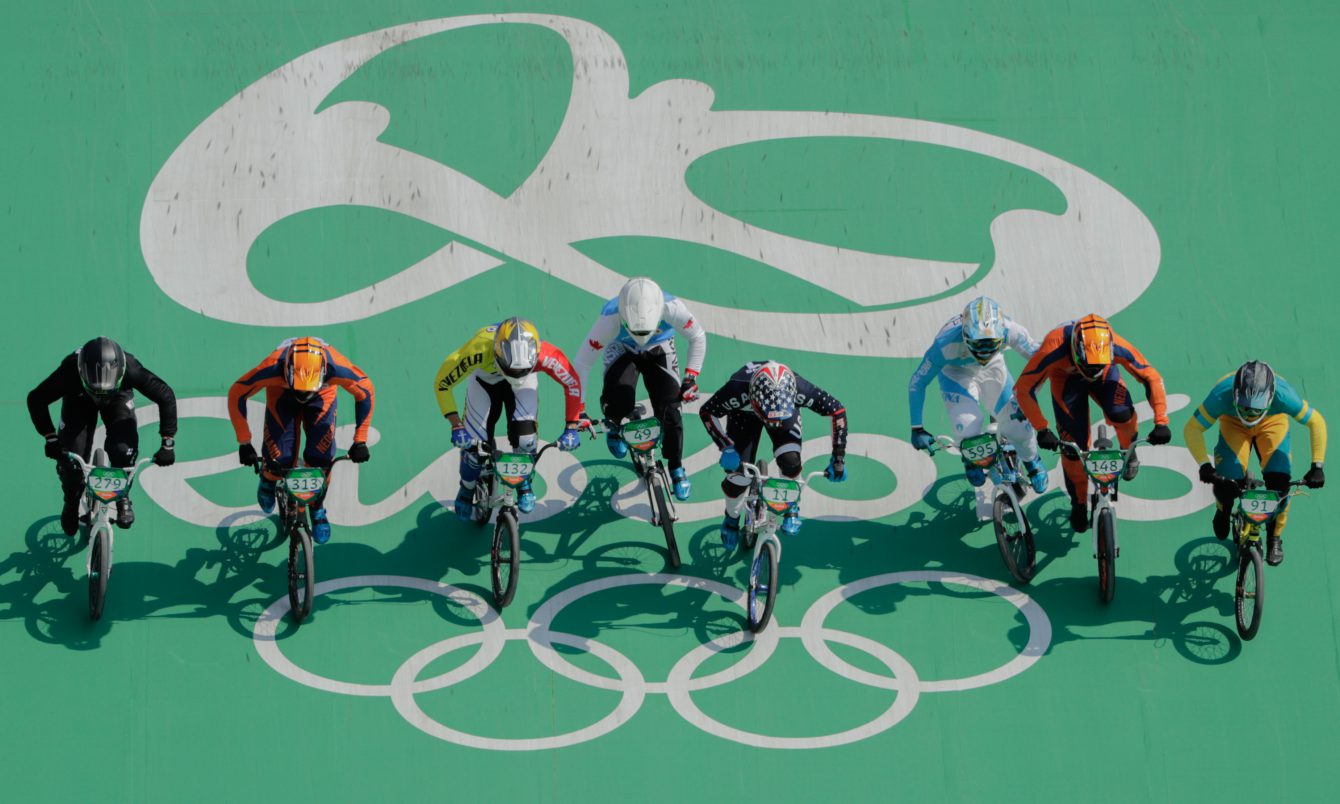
1167,609
575,526
49,590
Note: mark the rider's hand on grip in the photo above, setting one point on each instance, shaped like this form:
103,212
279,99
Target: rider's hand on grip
358,452
688,389
166,454
730,459
1160,434
54,450
1315,477
1048,440
246,455
460,437
921,439
837,469
1207,474
570,440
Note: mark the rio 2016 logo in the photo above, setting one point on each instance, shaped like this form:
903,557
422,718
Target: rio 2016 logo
202,216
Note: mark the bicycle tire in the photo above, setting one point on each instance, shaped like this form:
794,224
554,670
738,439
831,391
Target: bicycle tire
505,555
1014,537
483,493
667,524
99,567
1107,555
301,571
767,558
1250,591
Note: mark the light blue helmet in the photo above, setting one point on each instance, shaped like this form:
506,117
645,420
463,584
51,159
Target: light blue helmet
983,328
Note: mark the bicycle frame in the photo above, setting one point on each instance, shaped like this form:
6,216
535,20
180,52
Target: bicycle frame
502,495
643,438
99,500
1104,467
1255,507
773,510
1001,464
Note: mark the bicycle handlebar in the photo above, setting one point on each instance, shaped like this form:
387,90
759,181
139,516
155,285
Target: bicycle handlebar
1078,453
751,471
283,471
85,466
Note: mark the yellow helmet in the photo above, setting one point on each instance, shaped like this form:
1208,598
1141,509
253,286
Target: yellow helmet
305,366
1091,346
516,348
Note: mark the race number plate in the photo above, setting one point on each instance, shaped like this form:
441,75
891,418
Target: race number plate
642,435
304,484
513,468
1105,465
979,450
1259,505
108,483
780,494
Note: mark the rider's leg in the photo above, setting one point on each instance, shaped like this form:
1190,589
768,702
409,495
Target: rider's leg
122,445
1114,398
318,421
1272,448
743,430
279,441
1231,453
1070,407
521,403
660,375
619,396
786,442
958,391
78,418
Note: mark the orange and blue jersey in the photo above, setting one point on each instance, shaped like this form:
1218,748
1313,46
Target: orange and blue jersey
1052,361
269,375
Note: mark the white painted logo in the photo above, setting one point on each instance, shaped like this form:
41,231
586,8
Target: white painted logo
267,154
903,680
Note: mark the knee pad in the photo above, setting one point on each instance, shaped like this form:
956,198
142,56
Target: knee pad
789,463
734,485
522,435
121,455
469,467
1277,481
1120,414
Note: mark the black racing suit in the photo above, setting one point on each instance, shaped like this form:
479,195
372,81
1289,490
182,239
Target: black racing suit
744,427
79,414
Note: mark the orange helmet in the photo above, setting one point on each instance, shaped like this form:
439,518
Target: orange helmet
305,366
1091,346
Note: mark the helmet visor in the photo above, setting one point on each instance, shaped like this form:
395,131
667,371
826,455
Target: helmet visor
985,348
1251,416
308,372
101,379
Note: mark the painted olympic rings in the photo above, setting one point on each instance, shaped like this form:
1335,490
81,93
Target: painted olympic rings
539,635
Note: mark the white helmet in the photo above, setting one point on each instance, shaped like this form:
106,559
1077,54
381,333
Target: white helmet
641,305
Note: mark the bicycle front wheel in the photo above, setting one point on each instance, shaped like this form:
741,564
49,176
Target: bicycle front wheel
762,586
99,566
1014,537
506,556
1107,555
301,571
1250,593
663,514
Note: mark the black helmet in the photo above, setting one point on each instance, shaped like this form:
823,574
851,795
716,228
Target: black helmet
102,366
1253,391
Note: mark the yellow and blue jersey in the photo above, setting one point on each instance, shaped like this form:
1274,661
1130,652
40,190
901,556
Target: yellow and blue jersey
1218,404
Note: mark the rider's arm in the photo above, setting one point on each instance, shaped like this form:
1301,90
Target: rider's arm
1052,350
1288,400
553,362
457,367
678,316
1124,354
725,400
605,330
268,372
1194,436
155,390
921,380
1018,339
351,378
820,401
48,391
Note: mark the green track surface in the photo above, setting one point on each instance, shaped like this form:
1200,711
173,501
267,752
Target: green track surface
1216,120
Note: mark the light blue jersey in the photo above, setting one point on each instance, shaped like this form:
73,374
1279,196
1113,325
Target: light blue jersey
949,360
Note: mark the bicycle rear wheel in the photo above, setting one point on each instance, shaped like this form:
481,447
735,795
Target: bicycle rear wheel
657,480
99,566
1250,593
506,556
1014,537
301,569
1107,555
762,587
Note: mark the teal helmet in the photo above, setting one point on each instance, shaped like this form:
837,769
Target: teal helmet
983,328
